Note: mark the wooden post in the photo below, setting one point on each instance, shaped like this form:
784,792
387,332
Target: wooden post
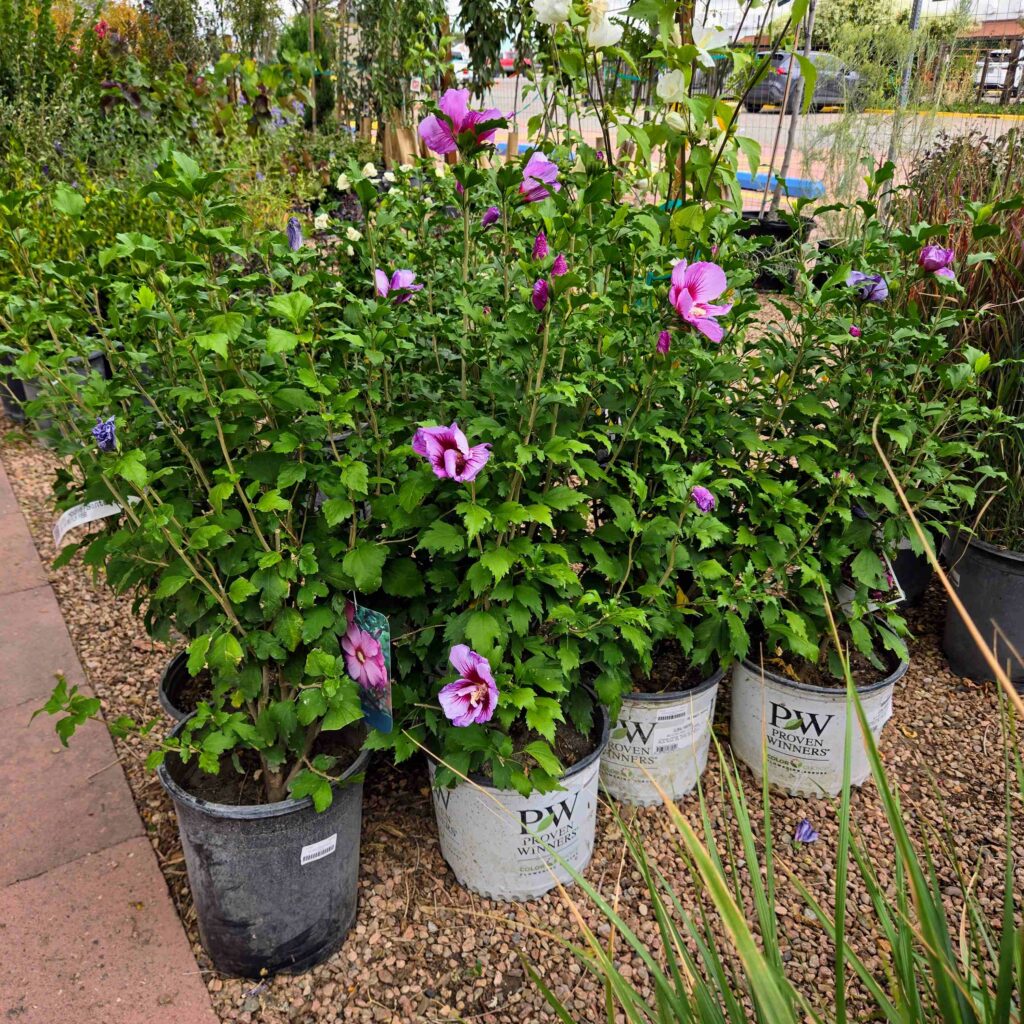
984,76
1010,81
512,148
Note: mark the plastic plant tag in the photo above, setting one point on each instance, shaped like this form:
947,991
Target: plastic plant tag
90,512
367,647
317,851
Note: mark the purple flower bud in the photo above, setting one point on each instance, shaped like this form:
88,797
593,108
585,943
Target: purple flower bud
540,246
937,260
664,344
294,232
540,295
491,215
805,833
703,498
560,266
105,434
855,331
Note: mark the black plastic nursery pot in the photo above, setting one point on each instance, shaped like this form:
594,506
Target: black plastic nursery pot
772,233
176,685
913,572
990,582
274,885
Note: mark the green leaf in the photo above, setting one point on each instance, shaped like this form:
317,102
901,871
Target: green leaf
355,477
315,622
169,585
292,306
482,630
68,201
498,561
306,783
474,517
131,467
364,563
312,705
279,342
216,342
337,510
319,663
226,652
273,502
288,627
197,654
442,536
402,578
545,757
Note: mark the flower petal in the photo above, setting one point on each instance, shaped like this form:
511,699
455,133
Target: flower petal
475,461
710,328
455,104
381,283
462,659
705,281
437,135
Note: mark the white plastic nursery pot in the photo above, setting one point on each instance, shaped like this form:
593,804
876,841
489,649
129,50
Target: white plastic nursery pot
489,836
804,728
662,737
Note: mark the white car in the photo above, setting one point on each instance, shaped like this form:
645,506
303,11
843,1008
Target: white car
998,66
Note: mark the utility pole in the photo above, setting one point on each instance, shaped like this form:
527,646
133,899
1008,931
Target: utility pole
908,67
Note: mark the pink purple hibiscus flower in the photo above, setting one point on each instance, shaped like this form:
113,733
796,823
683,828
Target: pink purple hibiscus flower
870,287
474,695
449,453
693,287
441,135
400,285
540,178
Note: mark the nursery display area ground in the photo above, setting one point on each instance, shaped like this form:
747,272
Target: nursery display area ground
424,949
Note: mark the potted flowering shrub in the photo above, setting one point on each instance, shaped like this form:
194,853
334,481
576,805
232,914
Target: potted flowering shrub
546,463
207,450
820,513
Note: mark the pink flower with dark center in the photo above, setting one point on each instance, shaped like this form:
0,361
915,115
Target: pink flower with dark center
540,246
703,498
540,178
540,295
560,266
441,133
400,285
693,287
449,454
364,658
664,343
473,696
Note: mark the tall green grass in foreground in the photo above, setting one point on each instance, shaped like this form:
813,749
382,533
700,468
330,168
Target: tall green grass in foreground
712,966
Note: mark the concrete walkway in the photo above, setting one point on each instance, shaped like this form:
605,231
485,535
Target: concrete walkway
87,927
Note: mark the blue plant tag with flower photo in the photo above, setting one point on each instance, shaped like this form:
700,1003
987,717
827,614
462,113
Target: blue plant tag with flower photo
366,647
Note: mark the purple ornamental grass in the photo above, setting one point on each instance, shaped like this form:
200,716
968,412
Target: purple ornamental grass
473,696
449,453
937,260
540,178
560,267
870,287
540,246
664,343
693,287
540,295
294,232
703,498
400,286
441,133
105,433
491,216
805,833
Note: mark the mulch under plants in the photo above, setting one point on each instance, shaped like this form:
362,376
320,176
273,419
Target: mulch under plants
424,949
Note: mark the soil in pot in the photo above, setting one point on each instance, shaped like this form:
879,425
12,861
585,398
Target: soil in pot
241,784
671,671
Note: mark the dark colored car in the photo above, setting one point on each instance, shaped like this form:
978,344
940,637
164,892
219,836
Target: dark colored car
836,85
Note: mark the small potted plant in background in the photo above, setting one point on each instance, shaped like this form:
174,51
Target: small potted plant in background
210,445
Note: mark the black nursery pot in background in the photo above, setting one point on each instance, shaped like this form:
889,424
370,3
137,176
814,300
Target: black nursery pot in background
772,235
990,582
274,885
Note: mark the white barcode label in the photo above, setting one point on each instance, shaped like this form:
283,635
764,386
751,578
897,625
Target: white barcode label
316,851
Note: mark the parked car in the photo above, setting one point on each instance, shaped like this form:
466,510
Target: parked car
511,62
836,84
995,69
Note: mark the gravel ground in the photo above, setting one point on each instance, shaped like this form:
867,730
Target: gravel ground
423,949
